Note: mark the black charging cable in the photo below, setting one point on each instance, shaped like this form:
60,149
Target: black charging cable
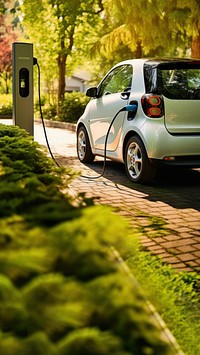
129,108
41,113
125,108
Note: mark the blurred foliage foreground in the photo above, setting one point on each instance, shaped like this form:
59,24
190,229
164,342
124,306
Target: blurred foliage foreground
61,289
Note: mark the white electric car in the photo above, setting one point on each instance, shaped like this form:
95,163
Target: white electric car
144,112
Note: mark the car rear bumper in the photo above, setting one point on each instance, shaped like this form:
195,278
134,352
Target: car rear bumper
192,161
173,149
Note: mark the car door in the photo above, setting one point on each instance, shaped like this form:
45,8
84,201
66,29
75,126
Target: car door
113,95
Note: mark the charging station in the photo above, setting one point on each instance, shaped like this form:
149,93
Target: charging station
22,83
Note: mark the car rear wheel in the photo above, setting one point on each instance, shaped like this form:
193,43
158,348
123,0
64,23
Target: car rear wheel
138,167
84,151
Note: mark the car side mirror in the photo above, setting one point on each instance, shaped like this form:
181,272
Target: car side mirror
91,92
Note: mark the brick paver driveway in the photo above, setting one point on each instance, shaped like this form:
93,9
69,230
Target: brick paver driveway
167,211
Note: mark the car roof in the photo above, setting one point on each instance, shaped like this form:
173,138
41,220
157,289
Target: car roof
173,63
159,61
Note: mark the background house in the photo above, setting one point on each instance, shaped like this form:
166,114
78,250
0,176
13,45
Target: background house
77,82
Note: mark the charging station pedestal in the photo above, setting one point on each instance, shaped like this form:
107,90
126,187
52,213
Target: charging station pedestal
22,78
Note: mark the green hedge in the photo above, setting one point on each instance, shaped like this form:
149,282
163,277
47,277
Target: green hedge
71,109
61,289
5,105
73,106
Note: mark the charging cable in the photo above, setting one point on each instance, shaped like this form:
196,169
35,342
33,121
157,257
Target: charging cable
41,113
129,108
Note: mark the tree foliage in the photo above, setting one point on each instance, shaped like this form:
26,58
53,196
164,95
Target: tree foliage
54,25
2,7
68,33
7,36
153,27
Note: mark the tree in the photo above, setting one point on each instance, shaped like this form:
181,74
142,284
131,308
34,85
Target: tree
7,36
5,61
2,7
141,27
156,27
190,21
55,25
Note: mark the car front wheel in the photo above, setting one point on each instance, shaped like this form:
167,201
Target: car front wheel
84,151
138,167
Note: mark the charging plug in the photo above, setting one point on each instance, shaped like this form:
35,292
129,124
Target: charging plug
130,108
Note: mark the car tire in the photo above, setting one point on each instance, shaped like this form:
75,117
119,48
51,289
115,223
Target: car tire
84,151
137,164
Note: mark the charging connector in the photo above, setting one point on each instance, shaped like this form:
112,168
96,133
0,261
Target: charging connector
34,61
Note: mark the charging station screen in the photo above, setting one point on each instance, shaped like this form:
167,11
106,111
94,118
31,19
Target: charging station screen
24,82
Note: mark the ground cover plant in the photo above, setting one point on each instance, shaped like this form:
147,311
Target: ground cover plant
61,289
174,294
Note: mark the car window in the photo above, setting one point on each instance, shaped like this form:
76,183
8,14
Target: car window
180,83
118,80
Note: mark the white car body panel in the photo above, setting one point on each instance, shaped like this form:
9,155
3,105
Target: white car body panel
107,106
178,117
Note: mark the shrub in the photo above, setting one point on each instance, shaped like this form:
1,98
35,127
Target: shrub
61,288
55,286
70,109
73,106
29,183
5,105
49,110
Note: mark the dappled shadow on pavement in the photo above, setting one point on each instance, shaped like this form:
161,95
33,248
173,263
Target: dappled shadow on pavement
179,188
166,212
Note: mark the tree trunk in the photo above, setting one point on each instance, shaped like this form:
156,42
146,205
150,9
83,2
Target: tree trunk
62,58
61,81
6,83
195,48
138,52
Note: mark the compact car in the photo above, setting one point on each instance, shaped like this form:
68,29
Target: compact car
144,113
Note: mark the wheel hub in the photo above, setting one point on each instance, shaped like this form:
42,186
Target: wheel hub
134,160
81,145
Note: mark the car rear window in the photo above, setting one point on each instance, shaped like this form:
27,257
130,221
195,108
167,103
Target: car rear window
175,80
179,83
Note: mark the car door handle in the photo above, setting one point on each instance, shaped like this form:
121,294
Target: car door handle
125,95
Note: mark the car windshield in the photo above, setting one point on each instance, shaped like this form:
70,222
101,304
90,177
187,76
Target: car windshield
175,81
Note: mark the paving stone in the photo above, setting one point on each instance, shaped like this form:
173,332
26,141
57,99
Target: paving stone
172,237
192,263
170,259
197,254
174,199
186,257
186,248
